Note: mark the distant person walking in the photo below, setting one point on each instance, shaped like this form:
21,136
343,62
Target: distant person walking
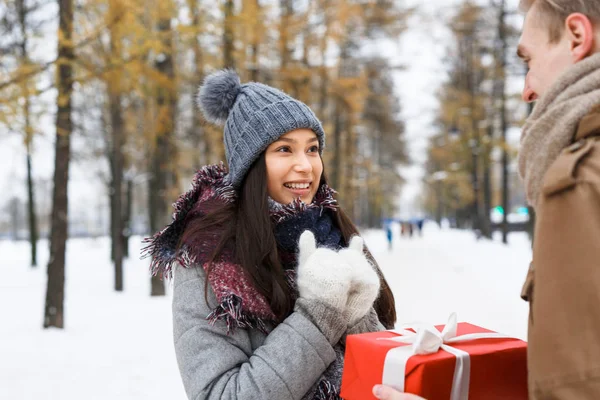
390,236
419,224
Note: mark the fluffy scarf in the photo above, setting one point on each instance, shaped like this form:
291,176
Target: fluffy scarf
553,123
240,305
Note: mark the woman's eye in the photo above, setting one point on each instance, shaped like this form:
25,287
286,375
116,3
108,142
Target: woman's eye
283,149
314,149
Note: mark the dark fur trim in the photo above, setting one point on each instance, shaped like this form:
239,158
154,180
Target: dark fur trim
230,310
326,391
209,182
323,199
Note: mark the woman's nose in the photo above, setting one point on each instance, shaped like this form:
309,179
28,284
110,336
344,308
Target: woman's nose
303,163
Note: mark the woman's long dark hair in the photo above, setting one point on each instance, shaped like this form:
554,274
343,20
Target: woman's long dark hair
246,230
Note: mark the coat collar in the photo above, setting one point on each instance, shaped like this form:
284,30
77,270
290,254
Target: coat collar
589,125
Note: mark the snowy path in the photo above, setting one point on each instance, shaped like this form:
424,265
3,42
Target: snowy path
119,346
449,271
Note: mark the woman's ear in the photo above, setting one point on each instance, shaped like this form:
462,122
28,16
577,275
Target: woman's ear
580,32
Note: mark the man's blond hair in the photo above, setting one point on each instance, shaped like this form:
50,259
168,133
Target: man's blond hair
553,13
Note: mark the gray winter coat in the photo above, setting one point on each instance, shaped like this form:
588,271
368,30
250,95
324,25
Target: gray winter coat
246,364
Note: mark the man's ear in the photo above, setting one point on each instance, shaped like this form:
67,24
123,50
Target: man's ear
580,32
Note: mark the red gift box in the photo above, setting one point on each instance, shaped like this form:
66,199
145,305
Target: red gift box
491,368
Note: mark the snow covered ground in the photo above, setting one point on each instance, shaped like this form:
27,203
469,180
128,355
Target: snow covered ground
118,345
449,271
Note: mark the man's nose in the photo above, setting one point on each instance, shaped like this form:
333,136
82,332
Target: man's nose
528,94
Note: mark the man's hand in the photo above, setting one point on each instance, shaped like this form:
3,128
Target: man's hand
387,393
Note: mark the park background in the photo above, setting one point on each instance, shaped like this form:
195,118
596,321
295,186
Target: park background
99,133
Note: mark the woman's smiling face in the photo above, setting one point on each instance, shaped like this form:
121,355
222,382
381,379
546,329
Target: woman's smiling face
294,167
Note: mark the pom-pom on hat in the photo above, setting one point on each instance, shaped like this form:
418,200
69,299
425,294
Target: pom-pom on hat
255,115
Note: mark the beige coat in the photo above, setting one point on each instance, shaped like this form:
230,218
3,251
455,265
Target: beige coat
563,283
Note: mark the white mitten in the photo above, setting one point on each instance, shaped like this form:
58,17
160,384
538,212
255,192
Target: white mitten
323,274
364,288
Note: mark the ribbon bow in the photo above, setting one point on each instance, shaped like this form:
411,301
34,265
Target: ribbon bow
426,339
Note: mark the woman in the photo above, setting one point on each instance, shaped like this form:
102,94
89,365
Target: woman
268,277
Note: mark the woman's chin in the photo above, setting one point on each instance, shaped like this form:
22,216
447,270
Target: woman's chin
307,199
286,200
289,196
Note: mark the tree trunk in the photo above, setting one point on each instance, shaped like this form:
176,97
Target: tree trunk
117,187
228,36
323,95
348,168
304,87
324,79
33,230
341,122
127,217
199,135
111,201
255,42
487,187
286,10
158,208
474,141
15,205
31,213
439,210
55,293
114,86
503,123
163,176
255,73
337,147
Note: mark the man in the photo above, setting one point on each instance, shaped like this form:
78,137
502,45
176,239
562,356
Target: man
559,161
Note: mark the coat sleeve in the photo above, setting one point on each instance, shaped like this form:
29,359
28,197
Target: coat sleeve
564,323
214,365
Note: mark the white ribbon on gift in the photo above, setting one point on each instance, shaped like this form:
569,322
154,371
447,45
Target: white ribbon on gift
428,340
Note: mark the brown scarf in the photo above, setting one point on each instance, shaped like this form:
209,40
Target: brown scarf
553,123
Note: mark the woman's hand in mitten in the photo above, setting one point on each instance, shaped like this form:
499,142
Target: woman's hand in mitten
364,288
323,281
323,274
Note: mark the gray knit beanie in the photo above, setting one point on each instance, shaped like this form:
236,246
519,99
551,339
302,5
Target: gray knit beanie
254,115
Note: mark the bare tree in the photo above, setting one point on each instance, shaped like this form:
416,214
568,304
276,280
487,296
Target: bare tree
55,291
228,36
32,217
115,87
501,95
163,176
